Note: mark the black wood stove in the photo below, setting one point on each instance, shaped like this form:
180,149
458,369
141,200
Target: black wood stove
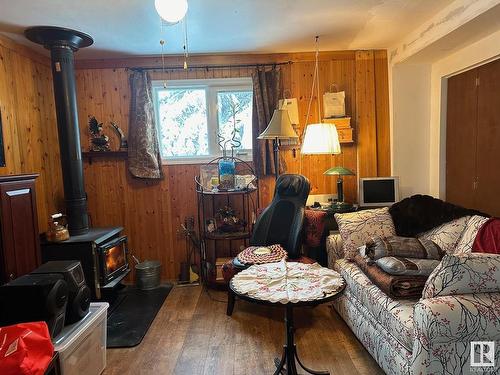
102,251
103,254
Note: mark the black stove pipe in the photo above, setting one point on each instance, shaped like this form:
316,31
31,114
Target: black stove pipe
62,44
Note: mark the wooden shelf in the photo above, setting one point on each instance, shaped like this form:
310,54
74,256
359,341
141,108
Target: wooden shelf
89,155
344,129
229,192
227,236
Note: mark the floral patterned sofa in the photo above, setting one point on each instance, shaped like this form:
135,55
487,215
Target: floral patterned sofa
431,335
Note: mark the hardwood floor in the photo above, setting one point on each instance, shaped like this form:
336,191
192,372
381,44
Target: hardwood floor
192,335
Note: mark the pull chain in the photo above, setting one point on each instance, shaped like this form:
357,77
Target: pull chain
162,44
186,48
315,84
316,69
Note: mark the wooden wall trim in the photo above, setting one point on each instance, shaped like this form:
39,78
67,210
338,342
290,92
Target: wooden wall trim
382,113
211,59
366,114
24,51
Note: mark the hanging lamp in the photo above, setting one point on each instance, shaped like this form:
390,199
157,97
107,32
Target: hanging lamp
319,138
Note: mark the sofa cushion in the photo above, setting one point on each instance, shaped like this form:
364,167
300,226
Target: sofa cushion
358,227
445,328
395,315
466,274
466,240
446,236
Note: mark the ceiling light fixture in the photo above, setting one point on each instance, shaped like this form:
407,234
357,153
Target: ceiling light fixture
172,11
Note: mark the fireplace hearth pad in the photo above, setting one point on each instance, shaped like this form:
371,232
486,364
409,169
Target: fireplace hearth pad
132,313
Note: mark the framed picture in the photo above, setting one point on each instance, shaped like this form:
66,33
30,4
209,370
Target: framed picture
209,176
2,153
210,225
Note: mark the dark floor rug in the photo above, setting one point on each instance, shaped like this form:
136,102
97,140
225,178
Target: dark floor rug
132,313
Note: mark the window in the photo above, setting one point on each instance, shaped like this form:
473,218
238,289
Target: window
190,113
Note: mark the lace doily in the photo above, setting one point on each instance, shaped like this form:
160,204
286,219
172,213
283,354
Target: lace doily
287,282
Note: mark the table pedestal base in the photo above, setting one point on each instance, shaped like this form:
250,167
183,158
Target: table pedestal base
287,365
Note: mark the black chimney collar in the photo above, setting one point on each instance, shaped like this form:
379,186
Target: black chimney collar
50,36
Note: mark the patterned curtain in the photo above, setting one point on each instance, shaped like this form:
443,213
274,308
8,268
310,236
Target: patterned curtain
267,90
143,145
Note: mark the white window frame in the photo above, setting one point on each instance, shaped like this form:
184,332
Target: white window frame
212,86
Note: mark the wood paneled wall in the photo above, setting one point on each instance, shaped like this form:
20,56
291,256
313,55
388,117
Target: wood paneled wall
29,124
152,212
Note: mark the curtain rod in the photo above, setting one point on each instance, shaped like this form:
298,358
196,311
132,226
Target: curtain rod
208,67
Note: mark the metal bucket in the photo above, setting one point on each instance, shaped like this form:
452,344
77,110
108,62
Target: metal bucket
147,274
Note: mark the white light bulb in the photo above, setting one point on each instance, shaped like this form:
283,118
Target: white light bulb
171,11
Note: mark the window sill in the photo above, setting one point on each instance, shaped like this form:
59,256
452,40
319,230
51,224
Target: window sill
201,160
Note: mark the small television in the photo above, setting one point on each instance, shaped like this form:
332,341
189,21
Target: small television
378,191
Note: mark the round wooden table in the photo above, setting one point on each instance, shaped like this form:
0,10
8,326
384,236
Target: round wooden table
289,358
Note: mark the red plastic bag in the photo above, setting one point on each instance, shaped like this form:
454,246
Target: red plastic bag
25,349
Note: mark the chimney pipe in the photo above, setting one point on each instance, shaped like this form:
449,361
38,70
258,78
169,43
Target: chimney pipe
62,44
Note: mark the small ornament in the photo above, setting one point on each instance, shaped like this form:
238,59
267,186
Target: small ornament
228,222
121,135
98,140
58,228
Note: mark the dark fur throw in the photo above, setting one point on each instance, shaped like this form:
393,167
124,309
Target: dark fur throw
420,213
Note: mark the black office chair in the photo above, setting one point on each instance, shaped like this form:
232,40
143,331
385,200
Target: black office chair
280,222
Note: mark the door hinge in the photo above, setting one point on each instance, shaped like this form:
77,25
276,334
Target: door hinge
477,81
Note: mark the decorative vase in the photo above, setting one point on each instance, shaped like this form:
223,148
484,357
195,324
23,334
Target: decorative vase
227,168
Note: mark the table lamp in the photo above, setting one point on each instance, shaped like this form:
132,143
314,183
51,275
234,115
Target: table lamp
324,139
279,127
340,171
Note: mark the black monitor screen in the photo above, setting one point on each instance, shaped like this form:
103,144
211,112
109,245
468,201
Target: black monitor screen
379,191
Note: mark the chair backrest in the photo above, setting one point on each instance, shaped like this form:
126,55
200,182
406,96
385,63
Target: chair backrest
281,222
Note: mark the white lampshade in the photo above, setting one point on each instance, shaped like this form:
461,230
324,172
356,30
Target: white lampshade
171,11
279,127
321,139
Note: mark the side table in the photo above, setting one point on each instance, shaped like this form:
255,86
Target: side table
289,358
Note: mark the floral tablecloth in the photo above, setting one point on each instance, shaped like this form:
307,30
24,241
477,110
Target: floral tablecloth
287,282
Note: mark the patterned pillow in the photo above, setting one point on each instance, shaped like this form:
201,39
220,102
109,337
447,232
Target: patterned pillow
358,227
408,247
446,235
407,266
468,236
466,274
314,226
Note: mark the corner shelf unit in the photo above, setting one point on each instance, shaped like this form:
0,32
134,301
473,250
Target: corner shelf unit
216,244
